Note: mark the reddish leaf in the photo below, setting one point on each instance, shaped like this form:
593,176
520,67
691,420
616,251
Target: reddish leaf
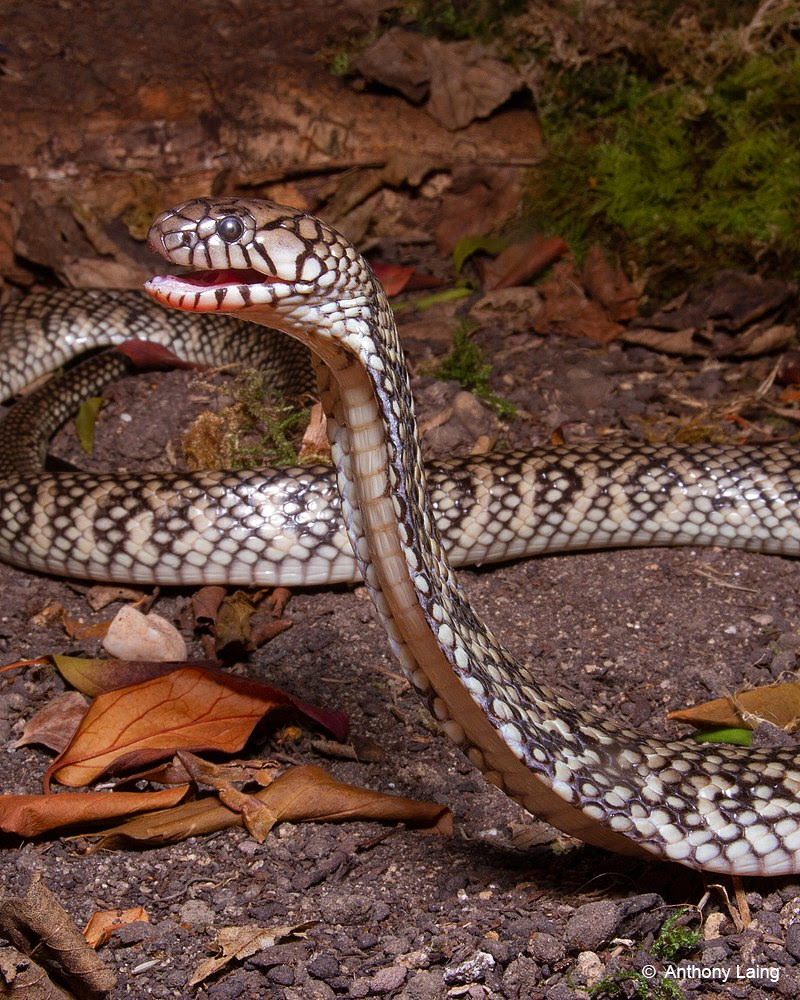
146,354
520,262
397,278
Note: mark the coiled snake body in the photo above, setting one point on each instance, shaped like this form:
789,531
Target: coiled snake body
726,810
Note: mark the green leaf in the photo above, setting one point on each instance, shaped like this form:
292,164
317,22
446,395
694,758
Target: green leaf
735,737
86,420
468,245
448,295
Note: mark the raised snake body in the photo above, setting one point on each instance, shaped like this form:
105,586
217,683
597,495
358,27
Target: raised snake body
726,810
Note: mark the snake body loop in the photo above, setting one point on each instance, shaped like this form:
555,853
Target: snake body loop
727,810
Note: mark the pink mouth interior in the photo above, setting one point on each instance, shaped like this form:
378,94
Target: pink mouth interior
226,276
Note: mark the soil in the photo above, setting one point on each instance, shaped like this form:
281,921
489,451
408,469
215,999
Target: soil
505,907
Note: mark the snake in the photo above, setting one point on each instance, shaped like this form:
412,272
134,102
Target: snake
724,809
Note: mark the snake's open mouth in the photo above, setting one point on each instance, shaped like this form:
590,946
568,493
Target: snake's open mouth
226,276
214,290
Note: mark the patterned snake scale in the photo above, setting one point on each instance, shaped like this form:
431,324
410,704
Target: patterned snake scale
726,809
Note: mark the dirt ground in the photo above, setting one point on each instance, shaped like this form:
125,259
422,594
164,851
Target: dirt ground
504,907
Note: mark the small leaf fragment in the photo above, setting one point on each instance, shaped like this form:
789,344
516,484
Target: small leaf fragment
242,942
103,923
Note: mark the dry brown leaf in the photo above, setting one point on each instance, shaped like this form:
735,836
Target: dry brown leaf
567,311
242,942
315,442
54,725
763,338
467,82
31,815
397,59
205,605
77,628
134,636
191,708
233,624
22,979
778,704
520,262
306,793
681,342
609,285
103,923
102,595
511,308
205,772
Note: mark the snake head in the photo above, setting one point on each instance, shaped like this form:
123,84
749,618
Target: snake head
246,254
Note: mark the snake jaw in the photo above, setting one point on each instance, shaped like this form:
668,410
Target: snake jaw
227,290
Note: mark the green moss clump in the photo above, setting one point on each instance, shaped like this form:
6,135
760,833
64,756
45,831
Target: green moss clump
479,19
255,430
705,174
623,985
465,364
674,939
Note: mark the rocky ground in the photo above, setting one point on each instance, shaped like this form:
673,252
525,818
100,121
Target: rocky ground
504,907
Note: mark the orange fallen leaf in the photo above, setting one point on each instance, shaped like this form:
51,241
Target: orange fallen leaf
778,704
191,708
103,923
31,815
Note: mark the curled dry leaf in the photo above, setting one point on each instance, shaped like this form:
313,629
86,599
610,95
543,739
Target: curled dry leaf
54,725
32,815
103,923
519,262
134,636
191,708
301,794
22,979
36,923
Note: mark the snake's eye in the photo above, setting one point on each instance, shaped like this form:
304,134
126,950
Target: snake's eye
230,228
